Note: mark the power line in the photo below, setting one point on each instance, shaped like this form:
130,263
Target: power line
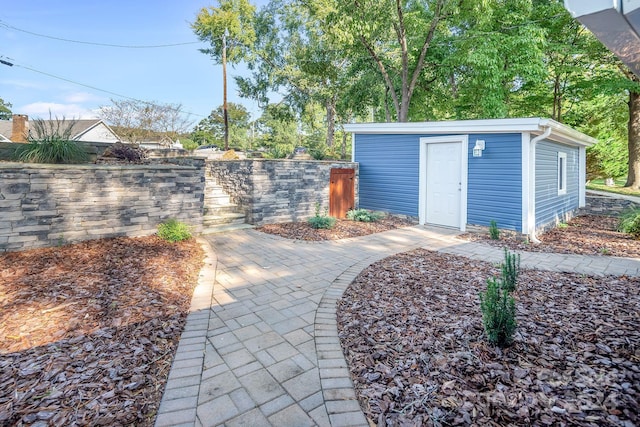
13,64
4,24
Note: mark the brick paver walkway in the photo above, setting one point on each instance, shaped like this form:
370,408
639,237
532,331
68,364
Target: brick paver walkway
260,347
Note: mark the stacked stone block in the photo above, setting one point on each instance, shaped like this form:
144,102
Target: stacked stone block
271,191
46,205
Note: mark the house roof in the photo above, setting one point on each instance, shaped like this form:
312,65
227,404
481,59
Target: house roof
616,23
5,130
536,126
80,127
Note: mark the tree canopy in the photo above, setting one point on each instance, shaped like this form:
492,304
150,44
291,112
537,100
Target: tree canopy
336,61
5,110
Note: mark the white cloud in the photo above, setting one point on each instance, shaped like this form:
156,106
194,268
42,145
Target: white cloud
42,110
25,84
80,97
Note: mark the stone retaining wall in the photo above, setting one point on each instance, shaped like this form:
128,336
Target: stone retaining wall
272,191
46,205
606,205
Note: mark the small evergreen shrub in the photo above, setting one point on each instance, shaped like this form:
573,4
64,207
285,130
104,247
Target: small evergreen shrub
174,231
321,221
364,215
498,313
510,270
494,233
630,222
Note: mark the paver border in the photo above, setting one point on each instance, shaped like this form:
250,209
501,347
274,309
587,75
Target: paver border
180,395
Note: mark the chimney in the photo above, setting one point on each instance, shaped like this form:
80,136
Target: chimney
20,128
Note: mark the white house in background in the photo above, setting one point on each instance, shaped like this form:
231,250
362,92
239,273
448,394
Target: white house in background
616,23
89,130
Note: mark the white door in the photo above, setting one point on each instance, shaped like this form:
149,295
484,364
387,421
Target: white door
444,184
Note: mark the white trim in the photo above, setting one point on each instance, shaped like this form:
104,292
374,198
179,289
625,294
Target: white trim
353,147
561,133
464,172
531,231
580,8
526,177
582,177
562,173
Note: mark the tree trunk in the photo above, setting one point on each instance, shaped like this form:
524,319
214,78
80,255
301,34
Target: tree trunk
331,121
225,112
633,177
343,153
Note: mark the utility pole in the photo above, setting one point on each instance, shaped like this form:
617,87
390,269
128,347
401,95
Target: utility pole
225,113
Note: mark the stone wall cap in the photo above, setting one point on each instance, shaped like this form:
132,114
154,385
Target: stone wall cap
151,166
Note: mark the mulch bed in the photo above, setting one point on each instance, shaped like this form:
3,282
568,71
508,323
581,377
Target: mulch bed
411,329
88,331
586,235
342,230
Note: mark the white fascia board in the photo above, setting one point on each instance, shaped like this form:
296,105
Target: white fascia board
568,135
578,8
535,125
605,19
450,126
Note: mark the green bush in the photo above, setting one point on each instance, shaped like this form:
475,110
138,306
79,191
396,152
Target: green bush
630,222
364,215
174,231
321,220
51,142
498,313
510,270
494,233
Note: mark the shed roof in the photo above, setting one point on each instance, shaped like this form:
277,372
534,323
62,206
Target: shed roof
536,126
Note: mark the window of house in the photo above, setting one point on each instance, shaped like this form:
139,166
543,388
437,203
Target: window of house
562,173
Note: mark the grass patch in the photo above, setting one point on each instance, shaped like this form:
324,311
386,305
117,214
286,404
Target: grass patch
618,188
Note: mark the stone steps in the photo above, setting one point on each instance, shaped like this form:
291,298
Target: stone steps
224,228
223,218
220,214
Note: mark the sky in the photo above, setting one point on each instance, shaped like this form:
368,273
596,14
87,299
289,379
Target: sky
176,75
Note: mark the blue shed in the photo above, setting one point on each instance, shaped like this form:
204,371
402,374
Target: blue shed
526,174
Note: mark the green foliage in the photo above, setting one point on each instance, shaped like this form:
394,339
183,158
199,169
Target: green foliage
188,144
319,220
630,222
498,313
278,151
494,232
5,110
229,25
51,142
364,215
210,130
174,231
510,270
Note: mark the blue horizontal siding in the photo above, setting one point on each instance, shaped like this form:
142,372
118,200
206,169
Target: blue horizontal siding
550,207
389,177
388,172
495,181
